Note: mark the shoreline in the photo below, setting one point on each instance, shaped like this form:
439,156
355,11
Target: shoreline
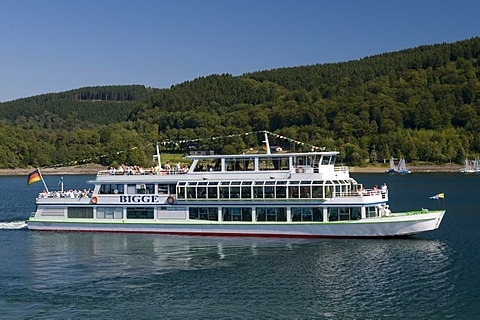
92,169
413,169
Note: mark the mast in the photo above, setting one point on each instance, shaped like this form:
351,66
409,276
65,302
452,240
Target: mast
41,177
159,164
267,145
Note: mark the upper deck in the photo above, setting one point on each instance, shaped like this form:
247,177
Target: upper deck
271,177
303,166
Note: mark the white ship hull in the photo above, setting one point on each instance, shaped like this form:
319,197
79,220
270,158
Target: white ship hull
396,225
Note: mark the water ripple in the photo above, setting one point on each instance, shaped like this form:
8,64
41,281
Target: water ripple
144,276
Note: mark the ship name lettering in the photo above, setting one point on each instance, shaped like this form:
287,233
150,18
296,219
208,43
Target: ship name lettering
139,199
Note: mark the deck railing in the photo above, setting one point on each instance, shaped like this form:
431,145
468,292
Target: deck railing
363,193
139,172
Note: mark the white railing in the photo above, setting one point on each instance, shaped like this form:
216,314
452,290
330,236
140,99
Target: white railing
138,172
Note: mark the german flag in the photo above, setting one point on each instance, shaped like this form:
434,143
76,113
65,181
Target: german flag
33,177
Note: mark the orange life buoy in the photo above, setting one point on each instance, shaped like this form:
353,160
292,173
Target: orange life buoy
170,200
94,200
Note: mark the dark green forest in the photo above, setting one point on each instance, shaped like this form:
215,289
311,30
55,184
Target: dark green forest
422,104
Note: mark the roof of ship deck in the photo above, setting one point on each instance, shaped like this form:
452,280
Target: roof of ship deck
263,155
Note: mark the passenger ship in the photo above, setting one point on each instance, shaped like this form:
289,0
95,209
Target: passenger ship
267,195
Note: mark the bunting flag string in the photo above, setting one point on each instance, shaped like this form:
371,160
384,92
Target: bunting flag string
187,141
91,159
178,142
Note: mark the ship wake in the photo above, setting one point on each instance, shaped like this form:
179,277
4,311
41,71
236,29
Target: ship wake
13,225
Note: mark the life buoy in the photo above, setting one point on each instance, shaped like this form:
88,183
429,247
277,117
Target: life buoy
94,200
170,200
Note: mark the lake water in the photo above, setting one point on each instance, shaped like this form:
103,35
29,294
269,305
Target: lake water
47,275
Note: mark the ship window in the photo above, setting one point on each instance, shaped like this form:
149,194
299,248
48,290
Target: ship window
234,192
343,189
275,163
281,191
343,214
148,188
80,212
163,189
212,192
328,191
293,192
317,214
111,189
139,213
224,192
191,192
269,191
371,212
246,192
271,214
247,183
240,164
236,214
141,188
305,192
282,182
205,165
317,192
202,192
280,163
109,213
332,214
258,191
307,214
301,160
326,160
355,213
181,193
203,213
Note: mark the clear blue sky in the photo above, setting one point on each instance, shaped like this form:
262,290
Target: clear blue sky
58,45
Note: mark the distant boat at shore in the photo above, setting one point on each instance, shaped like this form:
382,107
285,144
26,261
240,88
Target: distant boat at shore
392,169
402,167
471,166
399,168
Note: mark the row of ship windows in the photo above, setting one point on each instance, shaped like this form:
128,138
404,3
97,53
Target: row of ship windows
270,163
233,189
247,192
231,213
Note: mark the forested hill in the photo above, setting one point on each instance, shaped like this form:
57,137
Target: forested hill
75,108
422,104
